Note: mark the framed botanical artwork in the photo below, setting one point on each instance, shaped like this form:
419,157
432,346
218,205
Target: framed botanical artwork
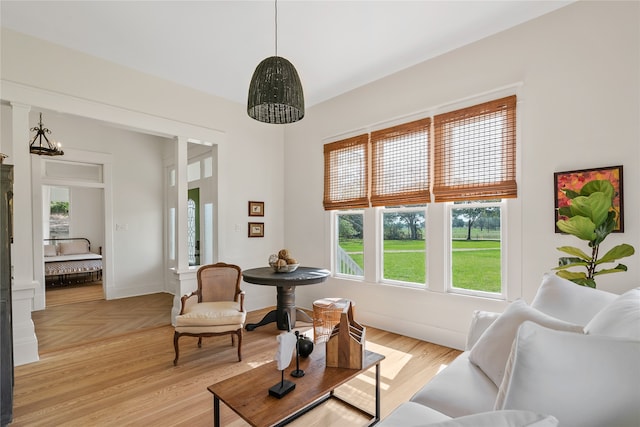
574,180
256,208
256,229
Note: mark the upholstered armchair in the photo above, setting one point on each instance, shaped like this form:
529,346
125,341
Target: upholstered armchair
215,308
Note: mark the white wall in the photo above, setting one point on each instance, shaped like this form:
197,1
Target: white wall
579,105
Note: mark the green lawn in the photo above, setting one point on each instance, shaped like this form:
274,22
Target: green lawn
476,263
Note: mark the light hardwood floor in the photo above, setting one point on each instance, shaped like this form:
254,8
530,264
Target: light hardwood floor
127,377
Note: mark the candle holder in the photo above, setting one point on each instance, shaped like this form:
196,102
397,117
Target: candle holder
298,372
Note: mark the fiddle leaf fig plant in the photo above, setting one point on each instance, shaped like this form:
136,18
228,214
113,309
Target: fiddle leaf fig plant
590,217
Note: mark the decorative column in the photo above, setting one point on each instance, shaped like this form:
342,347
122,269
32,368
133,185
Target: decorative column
25,342
184,281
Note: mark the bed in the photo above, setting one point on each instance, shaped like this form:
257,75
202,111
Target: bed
70,260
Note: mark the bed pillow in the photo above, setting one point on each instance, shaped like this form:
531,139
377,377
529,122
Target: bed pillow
491,352
74,247
50,250
582,380
621,318
563,299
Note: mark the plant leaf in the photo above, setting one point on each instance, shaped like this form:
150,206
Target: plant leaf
581,227
570,193
599,185
618,269
574,251
578,278
621,251
596,207
565,211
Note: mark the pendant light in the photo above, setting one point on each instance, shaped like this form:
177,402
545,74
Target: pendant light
48,149
275,91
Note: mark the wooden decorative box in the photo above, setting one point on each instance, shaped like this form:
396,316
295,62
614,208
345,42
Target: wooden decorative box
345,347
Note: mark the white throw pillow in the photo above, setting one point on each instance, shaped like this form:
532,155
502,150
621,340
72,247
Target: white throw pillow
74,247
621,318
50,250
492,350
500,419
480,321
565,300
583,380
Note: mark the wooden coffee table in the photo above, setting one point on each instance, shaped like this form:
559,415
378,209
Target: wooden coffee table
248,396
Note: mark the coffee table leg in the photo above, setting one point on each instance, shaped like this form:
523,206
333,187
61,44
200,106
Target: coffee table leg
377,392
216,411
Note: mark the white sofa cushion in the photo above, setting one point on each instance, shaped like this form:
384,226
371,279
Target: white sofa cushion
480,321
492,350
583,380
218,313
621,318
410,414
565,300
507,418
460,389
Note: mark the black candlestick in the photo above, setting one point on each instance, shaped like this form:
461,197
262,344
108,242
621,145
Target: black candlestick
298,372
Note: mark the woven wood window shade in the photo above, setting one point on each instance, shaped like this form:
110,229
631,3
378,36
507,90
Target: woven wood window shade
400,166
346,173
475,152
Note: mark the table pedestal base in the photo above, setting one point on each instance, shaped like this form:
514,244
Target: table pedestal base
286,304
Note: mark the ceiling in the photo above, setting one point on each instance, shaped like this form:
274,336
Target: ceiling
214,46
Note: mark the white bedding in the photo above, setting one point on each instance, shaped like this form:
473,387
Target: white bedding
74,257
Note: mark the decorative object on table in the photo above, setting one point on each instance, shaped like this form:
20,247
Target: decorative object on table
286,343
256,229
2,157
297,372
345,348
50,148
256,208
568,185
590,216
283,262
275,91
305,346
326,315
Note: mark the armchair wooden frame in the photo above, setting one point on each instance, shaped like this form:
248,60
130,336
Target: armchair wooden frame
217,293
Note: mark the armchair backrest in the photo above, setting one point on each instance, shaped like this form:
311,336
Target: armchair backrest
219,282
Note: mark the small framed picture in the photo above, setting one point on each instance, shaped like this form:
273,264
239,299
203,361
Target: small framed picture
256,208
256,229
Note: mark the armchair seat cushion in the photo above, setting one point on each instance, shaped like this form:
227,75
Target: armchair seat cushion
219,313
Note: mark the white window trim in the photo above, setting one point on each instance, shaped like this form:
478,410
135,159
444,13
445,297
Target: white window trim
380,251
503,250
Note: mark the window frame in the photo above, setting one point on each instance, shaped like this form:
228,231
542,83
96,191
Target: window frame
448,249
335,226
380,211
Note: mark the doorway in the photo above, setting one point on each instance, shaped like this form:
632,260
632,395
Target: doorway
75,213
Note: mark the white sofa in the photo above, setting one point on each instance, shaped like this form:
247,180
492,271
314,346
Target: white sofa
571,358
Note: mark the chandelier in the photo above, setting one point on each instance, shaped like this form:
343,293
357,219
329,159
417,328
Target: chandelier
37,147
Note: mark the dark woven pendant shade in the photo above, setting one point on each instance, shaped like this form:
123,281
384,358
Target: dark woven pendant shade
275,92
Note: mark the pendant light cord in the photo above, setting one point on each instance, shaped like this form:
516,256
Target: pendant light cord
276,19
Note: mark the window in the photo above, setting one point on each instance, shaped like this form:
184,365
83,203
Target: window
349,253
404,245
58,212
461,163
475,251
